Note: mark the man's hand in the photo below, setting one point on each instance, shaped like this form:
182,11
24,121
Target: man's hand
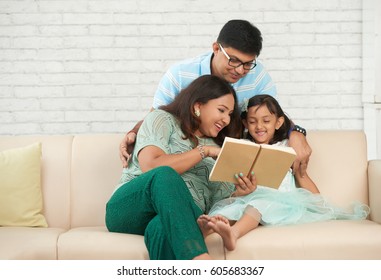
126,147
303,152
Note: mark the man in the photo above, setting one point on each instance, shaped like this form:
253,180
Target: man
233,58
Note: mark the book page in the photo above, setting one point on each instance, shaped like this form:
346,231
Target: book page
236,156
272,164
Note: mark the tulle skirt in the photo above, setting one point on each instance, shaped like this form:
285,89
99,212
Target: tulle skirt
295,206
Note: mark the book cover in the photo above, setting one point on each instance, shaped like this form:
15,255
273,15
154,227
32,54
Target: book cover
270,163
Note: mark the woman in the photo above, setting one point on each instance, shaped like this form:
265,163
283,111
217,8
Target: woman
166,187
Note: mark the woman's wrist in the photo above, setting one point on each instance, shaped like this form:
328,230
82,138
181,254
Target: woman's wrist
201,151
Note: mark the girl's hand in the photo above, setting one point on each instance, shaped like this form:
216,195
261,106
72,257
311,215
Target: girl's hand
245,184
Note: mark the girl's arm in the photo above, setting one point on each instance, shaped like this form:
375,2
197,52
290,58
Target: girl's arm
152,156
306,182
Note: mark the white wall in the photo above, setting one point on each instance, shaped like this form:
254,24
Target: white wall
92,66
371,93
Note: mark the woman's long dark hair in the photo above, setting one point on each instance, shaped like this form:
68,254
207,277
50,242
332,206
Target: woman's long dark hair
202,90
273,106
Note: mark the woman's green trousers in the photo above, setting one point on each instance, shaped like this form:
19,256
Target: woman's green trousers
158,205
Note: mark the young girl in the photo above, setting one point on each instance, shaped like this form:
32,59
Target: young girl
296,201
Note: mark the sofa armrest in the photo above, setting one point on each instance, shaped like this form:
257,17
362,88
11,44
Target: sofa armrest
374,181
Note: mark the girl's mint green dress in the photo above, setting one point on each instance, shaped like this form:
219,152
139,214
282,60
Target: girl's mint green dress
287,205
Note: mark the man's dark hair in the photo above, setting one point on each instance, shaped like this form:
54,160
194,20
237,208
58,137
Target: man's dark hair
241,35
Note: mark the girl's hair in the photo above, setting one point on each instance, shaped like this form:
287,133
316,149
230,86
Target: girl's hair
201,90
273,106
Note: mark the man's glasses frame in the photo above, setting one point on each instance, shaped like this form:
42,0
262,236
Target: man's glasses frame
236,62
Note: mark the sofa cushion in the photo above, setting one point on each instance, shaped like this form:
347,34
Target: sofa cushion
338,165
331,240
20,187
95,171
27,243
96,243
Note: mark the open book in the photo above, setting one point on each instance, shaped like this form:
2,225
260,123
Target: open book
270,163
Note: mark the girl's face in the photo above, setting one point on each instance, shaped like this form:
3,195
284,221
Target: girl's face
261,123
214,115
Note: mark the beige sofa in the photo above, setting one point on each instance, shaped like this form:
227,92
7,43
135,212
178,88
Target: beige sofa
79,174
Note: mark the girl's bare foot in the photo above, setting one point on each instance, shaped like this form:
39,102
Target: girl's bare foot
222,226
202,222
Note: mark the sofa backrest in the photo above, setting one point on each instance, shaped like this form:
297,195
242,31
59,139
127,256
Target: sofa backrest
338,165
80,172
95,171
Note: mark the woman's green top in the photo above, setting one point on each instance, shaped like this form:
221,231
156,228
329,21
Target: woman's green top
162,129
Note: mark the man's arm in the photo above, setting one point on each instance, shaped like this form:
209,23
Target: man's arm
127,145
298,141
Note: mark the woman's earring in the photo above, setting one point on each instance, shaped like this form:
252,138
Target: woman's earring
197,112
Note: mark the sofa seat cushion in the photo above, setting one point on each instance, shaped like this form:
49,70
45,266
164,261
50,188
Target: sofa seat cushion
344,240
26,243
97,243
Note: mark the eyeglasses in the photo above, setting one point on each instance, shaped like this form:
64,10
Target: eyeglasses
234,62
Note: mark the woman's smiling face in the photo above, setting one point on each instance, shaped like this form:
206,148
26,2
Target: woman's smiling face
214,115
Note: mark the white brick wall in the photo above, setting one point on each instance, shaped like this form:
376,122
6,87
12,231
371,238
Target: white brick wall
93,66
